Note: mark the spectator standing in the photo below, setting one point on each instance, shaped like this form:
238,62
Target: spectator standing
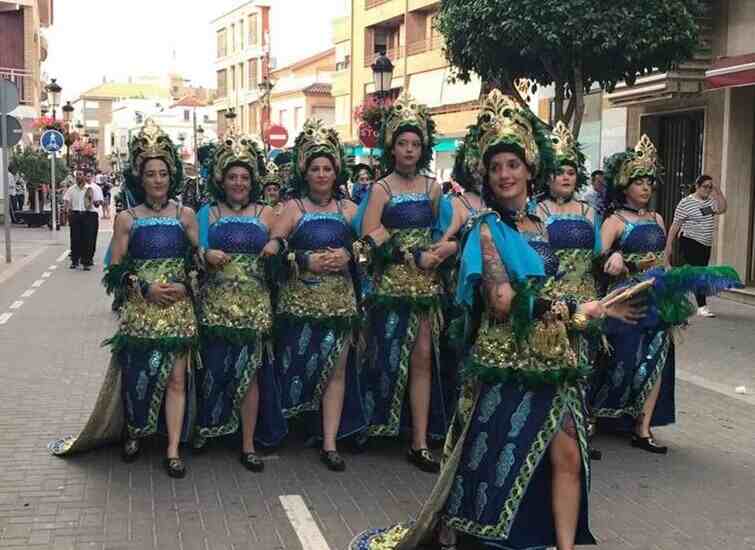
694,223
595,192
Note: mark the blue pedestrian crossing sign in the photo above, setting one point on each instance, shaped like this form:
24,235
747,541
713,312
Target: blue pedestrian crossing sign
52,141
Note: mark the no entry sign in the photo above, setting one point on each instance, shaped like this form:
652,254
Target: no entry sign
276,136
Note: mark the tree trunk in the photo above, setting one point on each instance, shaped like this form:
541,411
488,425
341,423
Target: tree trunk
558,101
579,100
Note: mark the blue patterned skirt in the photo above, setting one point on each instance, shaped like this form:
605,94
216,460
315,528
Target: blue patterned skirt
306,354
145,374
640,359
501,494
227,373
392,335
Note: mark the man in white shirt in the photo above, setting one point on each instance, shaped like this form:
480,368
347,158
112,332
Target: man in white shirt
81,202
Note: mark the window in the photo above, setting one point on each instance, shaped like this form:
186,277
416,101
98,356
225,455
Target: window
187,115
222,83
206,119
252,74
222,45
241,34
242,118
252,119
233,79
253,30
233,38
242,82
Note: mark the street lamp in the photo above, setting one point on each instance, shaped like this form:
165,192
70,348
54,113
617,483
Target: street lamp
44,109
266,90
54,90
382,74
230,116
67,111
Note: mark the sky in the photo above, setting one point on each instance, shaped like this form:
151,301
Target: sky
92,40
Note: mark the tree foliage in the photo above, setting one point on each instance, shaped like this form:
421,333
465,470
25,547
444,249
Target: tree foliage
571,44
34,165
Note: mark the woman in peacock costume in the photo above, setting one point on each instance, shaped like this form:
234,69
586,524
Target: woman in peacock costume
404,387
271,187
637,390
515,470
316,317
149,383
237,386
573,229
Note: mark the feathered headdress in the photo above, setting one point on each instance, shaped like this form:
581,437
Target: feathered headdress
152,143
316,139
503,121
272,177
568,151
235,150
623,168
407,114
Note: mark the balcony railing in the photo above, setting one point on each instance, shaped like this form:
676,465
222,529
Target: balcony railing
23,81
425,45
391,53
373,3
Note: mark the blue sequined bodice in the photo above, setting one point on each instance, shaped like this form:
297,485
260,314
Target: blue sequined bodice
408,211
545,250
642,236
153,238
238,235
319,230
570,231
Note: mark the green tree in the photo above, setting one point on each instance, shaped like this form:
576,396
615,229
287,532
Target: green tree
34,165
571,44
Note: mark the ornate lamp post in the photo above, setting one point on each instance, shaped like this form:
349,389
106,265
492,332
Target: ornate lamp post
230,117
67,111
266,92
382,75
53,91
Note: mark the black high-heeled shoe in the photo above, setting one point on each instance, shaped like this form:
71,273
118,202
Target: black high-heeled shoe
648,444
130,450
332,460
252,462
175,467
424,460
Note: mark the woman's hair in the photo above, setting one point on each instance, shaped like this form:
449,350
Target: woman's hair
702,178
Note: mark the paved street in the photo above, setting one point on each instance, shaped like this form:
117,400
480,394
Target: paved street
52,320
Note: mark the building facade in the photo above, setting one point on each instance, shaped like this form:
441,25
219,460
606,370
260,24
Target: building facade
242,62
301,91
405,31
23,49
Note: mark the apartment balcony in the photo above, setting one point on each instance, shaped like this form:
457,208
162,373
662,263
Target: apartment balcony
369,4
683,80
414,48
23,81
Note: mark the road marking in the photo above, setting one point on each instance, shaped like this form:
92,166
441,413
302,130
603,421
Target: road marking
53,267
63,256
17,304
38,283
28,293
303,523
19,265
4,318
46,274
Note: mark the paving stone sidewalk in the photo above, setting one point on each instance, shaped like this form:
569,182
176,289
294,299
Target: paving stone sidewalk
698,497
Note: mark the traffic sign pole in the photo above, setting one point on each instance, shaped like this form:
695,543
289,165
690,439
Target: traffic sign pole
54,194
5,181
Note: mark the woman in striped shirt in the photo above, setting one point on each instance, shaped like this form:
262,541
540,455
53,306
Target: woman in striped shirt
694,223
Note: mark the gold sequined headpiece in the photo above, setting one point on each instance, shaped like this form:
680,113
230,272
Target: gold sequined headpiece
273,176
239,150
152,143
317,139
503,120
564,144
642,162
406,112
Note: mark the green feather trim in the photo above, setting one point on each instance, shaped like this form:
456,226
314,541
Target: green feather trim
521,309
168,344
231,335
114,274
528,378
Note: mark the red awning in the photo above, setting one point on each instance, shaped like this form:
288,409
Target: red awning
725,72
